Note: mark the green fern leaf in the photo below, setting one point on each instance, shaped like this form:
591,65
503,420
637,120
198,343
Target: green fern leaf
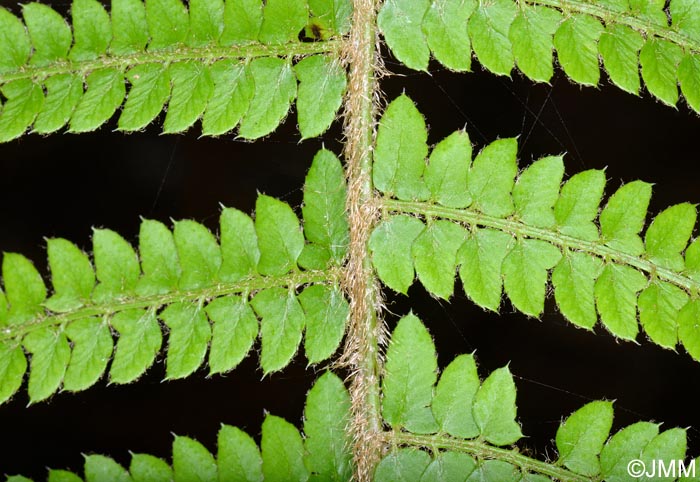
91,350
494,409
282,451
50,356
652,10
168,23
139,342
491,178
314,257
233,90
24,288
3,308
150,88
576,42
281,327
669,234
241,63
239,245
689,329
283,20
525,274
577,205
668,445
192,462
280,237
449,466
63,93
17,478
496,470
204,292
619,47
404,465
390,245
63,476
531,37
326,312
401,150
445,28
147,468
474,416
435,256
93,31
689,78
659,60
537,190
333,16
239,456
325,427
206,22
129,27
13,365
235,329
99,468
400,22
624,446
116,265
104,94
574,288
410,373
685,17
447,171
24,100
488,28
692,260
188,340
71,274
481,258
159,258
623,217
581,437
192,89
322,85
49,33
199,254
275,89
454,397
659,305
15,46
616,298
324,205
242,21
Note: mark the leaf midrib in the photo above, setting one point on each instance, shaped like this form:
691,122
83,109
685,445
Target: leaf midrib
616,17
516,227
204,54
294,279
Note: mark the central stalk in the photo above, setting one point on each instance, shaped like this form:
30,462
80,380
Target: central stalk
365,331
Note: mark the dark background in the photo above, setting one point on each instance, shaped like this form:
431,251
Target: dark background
64,185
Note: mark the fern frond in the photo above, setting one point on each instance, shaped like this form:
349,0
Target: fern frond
224,63
507,234
462,428
455,427
284,455
505,33
209,293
